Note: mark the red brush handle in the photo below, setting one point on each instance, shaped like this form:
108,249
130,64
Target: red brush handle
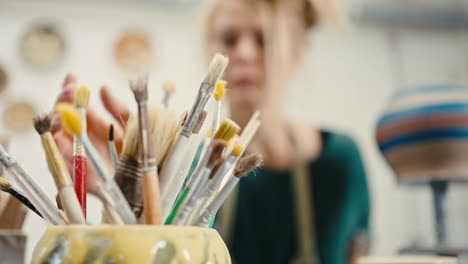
80,171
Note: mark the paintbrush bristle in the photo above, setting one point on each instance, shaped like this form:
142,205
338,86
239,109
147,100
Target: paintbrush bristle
169,87
220,90
201,119
227,130
237,150
248,164
70,117
82,96
111,133
163,128
216,152
140,89
42,124
216,69
4,184
130,144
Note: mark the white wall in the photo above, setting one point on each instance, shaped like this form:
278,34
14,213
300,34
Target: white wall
345,83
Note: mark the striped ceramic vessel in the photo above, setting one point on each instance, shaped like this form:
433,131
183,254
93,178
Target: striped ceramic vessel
423,133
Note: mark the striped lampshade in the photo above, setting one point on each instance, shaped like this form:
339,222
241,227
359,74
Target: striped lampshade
423,133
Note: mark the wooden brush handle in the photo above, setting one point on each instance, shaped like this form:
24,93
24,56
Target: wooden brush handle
151,199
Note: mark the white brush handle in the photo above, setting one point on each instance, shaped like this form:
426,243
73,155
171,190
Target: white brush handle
217,202
213,184
71,205
183,214
189,203
205,219
172,176
194,214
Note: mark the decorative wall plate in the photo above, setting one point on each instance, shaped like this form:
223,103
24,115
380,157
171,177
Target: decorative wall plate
42,46
134,52
18,116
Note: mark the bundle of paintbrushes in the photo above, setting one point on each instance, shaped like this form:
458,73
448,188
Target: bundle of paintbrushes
164,173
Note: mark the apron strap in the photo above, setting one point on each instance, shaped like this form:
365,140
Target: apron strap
307,251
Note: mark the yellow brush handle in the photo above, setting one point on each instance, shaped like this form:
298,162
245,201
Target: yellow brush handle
151,199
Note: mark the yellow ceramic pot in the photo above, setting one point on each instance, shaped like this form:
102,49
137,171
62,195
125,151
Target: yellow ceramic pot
130,244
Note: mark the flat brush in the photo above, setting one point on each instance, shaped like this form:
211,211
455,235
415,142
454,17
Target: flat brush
227,130
243,168
199,179
169,89
163,128
112,149
43,204
59,171
5,186
172,176
150,183
71,122
80,165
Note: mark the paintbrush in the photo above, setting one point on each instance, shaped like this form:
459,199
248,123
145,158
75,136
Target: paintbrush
169,90
243,168
59,171
43,204
172,176
219,93
246,137
112,149
80,166
6,186
162,131
188,191
226,131
189,194
215,181
195,148
150,183
71,122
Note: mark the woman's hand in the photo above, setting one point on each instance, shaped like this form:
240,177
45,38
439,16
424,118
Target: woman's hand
98,129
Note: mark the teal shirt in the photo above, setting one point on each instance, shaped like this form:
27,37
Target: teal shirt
264,229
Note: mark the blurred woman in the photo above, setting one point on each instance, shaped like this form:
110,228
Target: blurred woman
309,203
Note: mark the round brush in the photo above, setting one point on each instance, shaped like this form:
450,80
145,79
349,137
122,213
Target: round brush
71,122
80,166
6,186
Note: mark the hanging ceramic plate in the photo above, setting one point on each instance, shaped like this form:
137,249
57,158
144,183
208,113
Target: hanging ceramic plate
18,116
134,52
3,79
42,46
